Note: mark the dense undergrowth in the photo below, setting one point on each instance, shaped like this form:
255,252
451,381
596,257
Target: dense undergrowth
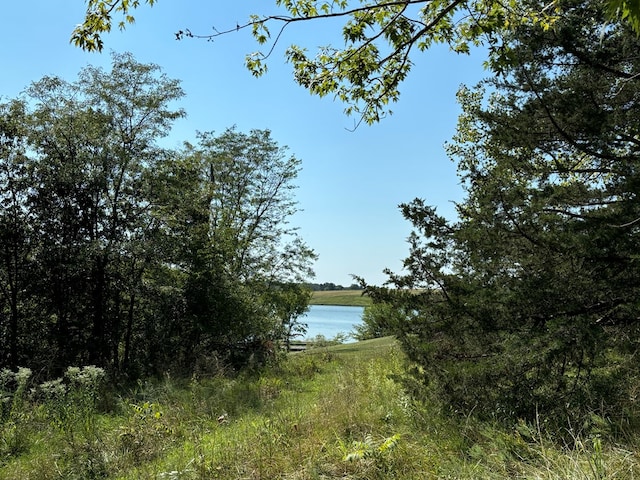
328,413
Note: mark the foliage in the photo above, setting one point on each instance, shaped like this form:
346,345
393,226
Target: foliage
378,320
71,402
87,35
15,229
528,304
330,286
381,39
121,254
225,204
320,341
14,417
301,419
626,10
94,142
66,408
289,302
250,181
366,448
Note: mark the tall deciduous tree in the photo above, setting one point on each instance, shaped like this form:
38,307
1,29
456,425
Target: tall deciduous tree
251,183
250,180
528,303
138,101
15,230
90,143
119,253
224,205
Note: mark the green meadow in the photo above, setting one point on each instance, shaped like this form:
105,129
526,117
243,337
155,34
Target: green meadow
326,413
340,297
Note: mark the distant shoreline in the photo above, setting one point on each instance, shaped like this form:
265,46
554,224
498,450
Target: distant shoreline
346,298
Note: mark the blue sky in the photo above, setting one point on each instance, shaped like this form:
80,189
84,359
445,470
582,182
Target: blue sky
351,181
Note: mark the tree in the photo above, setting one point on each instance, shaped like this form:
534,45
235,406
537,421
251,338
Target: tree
289,302
15,230
199,310
251,185
380,39
76,211
378,320
527,305
250,180
224,206
137,102
118,253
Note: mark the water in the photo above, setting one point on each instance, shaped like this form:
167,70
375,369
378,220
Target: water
329,320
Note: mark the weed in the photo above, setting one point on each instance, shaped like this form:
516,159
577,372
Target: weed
14,416
336,412
146,434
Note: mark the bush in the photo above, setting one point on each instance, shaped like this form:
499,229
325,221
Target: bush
378,320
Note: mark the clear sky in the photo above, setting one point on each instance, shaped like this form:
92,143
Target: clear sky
351,181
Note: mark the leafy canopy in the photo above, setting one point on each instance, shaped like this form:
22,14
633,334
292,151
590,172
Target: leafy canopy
118,253
380,39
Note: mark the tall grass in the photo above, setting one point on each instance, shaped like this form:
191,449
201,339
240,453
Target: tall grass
337,412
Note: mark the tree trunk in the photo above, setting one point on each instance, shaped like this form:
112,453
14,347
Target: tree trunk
98,346
128,334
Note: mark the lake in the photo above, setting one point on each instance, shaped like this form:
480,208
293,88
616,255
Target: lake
329,320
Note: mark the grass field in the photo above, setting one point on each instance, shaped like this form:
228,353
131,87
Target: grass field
340,297
327,413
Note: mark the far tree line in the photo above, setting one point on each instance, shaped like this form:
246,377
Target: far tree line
327,286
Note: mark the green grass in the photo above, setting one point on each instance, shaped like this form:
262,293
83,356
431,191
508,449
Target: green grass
366,349
340,297
326,413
